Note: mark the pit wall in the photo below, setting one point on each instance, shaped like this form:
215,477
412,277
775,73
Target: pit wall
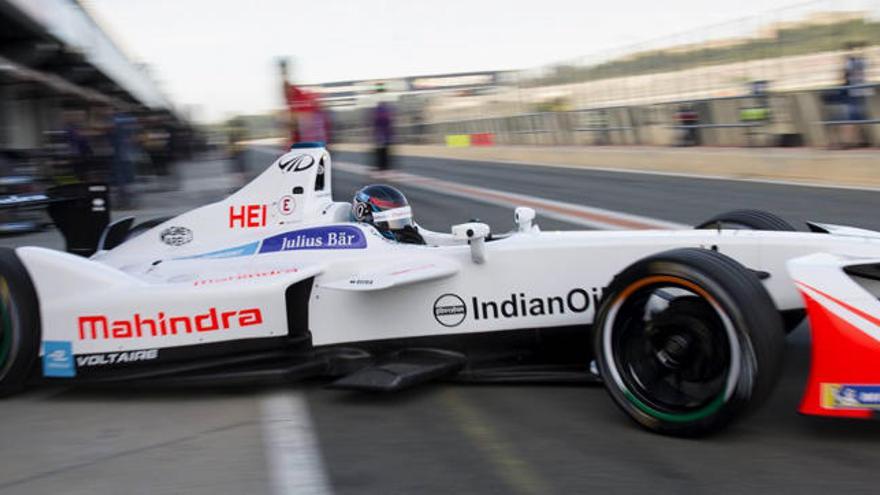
783,119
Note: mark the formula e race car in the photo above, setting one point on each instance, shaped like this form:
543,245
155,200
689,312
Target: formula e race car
685,328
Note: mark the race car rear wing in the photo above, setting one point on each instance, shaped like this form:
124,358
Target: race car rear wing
80,211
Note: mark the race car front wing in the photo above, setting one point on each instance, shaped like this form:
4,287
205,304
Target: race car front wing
841,297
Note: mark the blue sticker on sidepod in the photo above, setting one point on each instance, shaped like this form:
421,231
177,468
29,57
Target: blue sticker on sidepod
229,252
58,359
335,237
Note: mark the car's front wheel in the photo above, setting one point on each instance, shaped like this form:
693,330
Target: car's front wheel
687,341
757,220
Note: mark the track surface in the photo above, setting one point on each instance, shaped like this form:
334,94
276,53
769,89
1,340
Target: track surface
444,438
678,199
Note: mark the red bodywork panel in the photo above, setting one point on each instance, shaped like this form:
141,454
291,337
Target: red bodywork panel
845,360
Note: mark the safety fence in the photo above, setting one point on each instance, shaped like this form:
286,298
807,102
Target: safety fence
798,118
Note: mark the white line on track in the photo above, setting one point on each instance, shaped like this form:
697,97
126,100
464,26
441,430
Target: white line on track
588,216
292,450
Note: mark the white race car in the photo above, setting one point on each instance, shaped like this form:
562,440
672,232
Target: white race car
685,328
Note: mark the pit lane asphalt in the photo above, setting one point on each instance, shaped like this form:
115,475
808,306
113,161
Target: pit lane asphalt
672,198
442,438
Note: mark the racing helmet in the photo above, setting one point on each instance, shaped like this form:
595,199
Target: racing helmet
387,209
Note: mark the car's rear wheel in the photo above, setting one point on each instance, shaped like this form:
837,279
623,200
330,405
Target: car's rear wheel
688,341
747,220
19,324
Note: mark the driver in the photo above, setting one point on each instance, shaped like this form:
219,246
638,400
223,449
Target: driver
386,209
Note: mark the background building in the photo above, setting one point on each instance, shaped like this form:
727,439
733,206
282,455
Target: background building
54,56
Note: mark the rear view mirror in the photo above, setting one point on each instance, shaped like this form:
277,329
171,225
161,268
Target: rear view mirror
475,234
523,216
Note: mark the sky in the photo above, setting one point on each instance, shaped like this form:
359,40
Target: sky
219,57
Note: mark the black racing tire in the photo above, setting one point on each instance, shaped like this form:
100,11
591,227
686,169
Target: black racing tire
747,219
19,324
733,337
757,220
145,226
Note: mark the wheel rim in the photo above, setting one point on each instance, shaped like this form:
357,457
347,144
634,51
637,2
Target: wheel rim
5,325
671,349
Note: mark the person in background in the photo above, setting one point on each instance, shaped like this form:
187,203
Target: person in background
855,98
102,147
156,142
307,119
383,130
755,114
122,139
237,134
79,151
174,150
601,124
687,119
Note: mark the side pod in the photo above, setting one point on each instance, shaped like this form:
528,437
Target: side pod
58,275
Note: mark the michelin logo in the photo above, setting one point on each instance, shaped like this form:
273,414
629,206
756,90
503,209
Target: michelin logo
841,396
58,359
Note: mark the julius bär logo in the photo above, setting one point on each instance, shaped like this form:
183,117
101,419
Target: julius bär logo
334,237
297,163
449,310
99,327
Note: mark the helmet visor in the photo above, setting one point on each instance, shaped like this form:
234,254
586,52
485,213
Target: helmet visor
396,218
